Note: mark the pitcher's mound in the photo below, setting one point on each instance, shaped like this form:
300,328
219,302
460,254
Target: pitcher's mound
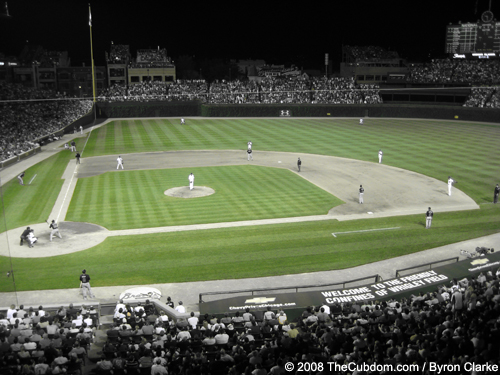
184,192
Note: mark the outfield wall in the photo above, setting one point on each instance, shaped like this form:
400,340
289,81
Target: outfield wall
196,108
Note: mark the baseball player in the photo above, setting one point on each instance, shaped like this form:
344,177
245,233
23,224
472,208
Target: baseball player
24,236
451,182
119,160
73,146
55,230
85,285
77,156
81,129
428,218
299,163
183,122
20,178
380,154
495,194
361,121
191,181
249,145
249,154
361,192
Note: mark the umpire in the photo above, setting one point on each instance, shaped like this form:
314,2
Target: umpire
24,236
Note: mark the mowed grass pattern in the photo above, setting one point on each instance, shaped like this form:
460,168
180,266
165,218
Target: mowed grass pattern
136,199
434,148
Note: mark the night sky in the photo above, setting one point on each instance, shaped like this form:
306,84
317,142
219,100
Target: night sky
278,32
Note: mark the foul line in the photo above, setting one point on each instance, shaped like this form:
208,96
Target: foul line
72,176
366,230
32,178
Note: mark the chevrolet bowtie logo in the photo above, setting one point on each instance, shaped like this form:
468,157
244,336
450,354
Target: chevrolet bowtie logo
260,300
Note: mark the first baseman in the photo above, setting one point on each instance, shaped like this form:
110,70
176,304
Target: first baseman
451,182
380,154
361,192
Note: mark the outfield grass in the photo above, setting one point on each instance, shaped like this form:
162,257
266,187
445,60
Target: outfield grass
433,148
136,199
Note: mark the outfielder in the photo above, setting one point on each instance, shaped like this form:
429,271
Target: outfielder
451,182
299,163
428,218
380,153
183,122
20,178
191,181
496,192
119,160
55,230
361,121
249,154
361,192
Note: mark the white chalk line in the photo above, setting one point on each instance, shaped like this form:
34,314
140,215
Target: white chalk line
72,176
365,230
32,178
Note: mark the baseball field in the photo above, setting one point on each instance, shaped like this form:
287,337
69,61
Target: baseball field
337,156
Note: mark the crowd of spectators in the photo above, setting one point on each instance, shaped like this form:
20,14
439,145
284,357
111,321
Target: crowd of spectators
119,54
484,97
458,323
152,58
233,92
368,54
456,71
27,114
33,341
268,90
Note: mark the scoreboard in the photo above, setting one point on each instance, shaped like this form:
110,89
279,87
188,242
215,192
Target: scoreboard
473,37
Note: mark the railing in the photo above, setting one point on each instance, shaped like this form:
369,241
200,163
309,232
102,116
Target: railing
427,264
377,279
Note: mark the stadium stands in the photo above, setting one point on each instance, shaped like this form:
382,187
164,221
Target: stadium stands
28,114
455,325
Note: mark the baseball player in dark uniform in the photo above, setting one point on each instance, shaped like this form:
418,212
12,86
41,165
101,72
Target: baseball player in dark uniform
428,218
77,156
249,154
85,285
299,163
361,192
24,236
20,178
495,194
73,146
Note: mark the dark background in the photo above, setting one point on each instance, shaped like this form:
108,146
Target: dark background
278,32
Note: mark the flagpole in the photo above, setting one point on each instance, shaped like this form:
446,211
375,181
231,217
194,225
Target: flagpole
92,54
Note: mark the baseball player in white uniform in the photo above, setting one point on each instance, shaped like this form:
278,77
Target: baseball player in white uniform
55,230
249,144
183,122
191,181
380,153
119,160
451,182
361,121
361,192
